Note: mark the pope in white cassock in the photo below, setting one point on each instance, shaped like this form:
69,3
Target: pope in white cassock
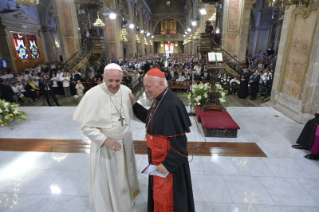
105,113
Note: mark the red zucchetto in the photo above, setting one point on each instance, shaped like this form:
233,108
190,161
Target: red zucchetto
156,72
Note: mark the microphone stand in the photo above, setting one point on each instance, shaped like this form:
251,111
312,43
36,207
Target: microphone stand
191,113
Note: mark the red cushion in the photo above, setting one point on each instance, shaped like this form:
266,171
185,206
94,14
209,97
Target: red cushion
214,119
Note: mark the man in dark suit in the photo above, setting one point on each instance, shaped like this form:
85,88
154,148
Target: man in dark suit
146,67
47,90
194,76
254,83
205,77
6,92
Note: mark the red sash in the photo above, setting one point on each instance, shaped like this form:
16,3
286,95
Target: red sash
162,187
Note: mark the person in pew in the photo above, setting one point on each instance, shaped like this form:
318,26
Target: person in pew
105,112
194,76
32,89
167,123
180,78
187,76
79,88
127,78
225,82
309,138
234,85
73,83
205,77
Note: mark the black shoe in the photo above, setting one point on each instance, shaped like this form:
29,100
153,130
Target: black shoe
312,157
298,147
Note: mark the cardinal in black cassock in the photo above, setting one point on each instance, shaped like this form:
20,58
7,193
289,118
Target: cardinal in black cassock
307,138
243,87
167,122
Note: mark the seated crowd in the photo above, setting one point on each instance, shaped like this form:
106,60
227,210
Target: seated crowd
30,83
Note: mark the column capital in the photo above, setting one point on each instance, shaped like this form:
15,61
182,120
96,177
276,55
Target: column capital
249,4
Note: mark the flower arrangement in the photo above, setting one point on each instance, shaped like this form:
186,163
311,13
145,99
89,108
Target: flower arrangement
200,94
9,112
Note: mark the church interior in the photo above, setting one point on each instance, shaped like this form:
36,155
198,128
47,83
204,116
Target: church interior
252,167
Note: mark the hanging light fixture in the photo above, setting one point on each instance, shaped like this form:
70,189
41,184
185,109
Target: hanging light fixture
98,21
27,3
176,43
162,44
280,4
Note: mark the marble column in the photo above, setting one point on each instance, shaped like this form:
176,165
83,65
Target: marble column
67,24
236,19
244,30
131,45
295,90
48,38
111,33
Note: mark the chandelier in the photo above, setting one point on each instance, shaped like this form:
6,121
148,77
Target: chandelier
280,4
162,44
27,3
98,21
176,43
145,41
197,34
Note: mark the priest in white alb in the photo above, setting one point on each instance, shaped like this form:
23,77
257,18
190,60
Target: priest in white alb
105,113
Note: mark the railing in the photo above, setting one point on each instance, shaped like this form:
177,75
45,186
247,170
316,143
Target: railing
230,67
86,47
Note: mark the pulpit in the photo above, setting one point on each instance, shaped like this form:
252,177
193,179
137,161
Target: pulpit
215,65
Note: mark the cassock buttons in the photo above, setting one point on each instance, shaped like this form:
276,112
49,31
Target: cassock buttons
151,137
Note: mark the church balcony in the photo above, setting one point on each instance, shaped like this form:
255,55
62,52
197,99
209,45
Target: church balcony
168,37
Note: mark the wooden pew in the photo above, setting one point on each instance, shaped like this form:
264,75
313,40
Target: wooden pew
180,85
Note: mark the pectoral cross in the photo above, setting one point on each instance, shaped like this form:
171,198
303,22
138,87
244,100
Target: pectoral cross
121,120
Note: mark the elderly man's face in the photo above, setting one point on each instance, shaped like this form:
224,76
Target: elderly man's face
112,79
152,88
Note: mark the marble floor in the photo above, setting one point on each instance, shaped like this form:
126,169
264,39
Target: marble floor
283,181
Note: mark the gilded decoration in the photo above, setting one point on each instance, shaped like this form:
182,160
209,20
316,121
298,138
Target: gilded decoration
234,15
298,54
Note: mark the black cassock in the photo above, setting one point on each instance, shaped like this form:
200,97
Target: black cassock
307,135
172,121
243,87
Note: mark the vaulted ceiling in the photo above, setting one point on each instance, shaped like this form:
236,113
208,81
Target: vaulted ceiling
164,6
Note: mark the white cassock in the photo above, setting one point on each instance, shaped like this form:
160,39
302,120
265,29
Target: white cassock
113,174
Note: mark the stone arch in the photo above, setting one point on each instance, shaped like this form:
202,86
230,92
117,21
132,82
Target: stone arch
154,27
